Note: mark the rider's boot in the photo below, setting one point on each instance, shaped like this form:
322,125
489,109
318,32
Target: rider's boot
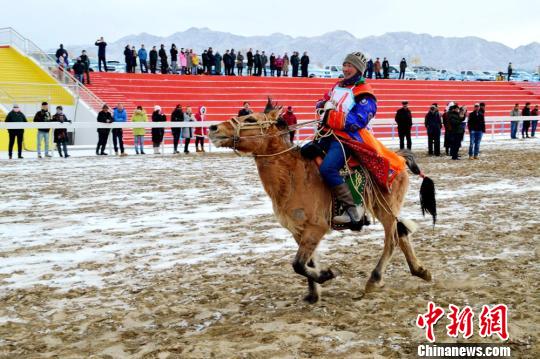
353,215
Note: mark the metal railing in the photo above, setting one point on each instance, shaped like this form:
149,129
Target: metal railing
9,36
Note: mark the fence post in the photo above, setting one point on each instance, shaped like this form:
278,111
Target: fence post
493,130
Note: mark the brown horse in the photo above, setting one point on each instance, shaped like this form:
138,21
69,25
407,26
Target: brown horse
302,202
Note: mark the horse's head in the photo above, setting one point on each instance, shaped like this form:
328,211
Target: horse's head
251,133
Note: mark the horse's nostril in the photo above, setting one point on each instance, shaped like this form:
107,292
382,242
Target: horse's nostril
213,128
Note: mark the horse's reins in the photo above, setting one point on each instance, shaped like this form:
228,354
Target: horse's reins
262,125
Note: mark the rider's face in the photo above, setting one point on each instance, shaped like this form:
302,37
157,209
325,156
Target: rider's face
349,70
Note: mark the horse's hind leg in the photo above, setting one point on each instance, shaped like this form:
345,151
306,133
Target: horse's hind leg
376,279
414,264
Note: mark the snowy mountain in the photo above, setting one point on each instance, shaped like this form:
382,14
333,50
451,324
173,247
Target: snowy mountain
471,53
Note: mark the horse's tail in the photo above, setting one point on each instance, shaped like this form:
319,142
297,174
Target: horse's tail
427,189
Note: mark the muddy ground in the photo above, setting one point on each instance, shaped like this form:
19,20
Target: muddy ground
180,257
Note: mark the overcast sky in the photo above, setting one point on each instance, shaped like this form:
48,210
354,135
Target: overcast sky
511,22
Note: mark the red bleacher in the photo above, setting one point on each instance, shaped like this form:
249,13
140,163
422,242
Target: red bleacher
223,95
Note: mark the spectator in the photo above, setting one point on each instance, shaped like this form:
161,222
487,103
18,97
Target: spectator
200,132
304,63
211,60
133,59
78,70
233,61
483,108
189,61
369,69
404,122
15,115
227,63
433,125
245,110
291,120
61,67
104,116
163,58
514,124
187,132
205,60
402,68
456,130
477,128
526,112
250,62
43,115
128,58
119,115
183,61
194,62
143,57
534,123
158,133
139,115
264,62
446,125
86,63
177,116
240,63
153,60
377,68
272,64
102,46
61,134
279,65
386,68
257,62
174,59
510,71
462,114
295,62
286,64
217,63
62,53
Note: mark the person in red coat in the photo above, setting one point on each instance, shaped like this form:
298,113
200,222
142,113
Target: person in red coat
200,132
290,118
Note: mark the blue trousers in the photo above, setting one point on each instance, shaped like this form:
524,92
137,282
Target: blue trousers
474,146
333,161
513,129
534,124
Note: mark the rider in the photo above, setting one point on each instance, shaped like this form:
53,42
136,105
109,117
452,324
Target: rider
348,107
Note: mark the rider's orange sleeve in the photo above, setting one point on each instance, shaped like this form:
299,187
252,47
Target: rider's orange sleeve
336,120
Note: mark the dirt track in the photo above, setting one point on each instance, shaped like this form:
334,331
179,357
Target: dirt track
198,268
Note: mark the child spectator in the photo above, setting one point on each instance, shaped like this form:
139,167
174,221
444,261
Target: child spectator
187,132
139,116
200,132
157,133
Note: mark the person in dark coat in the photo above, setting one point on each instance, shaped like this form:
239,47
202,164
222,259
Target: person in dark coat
245,110
404,122
272,64
158,133
456,130
249,58
227,62
526,111
102,45
78,70
510,71
304,63
15,115
211,60
369,69
295,63
153,59
233,61
61,134
163,58
86,63
264,62
104,116
128,58
174,59
257,62
204,57
62,53
402,68
177,116
386,68
43,133
477,128
534,123
433,125
217,63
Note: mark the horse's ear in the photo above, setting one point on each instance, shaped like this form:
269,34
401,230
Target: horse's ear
275,113
269,105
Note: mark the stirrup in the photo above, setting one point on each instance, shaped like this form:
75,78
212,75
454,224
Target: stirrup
346,218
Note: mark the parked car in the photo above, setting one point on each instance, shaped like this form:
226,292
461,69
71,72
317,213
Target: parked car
393,73
336,71
469,75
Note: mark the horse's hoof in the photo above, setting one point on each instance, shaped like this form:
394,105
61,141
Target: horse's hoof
425,274
372,286
328,274
311,298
